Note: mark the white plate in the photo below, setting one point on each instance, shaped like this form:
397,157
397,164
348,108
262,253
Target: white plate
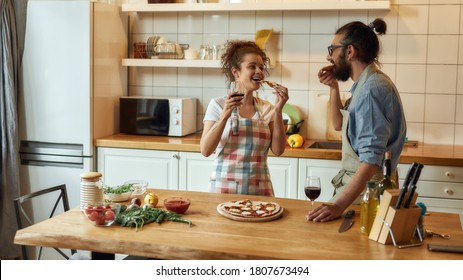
118,197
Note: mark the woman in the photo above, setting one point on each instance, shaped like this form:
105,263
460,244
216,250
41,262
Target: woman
240,128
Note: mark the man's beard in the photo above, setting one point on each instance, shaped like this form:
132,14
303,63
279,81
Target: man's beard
342,69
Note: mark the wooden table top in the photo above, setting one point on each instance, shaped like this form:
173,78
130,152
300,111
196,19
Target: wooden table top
213,236
424,153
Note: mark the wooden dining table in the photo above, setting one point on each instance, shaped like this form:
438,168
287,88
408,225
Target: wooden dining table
213,236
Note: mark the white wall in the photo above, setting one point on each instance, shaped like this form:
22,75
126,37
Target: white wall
422,53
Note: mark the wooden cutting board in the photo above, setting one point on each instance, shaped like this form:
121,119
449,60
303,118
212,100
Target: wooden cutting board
331,133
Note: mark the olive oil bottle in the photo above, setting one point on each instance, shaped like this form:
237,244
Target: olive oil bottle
368,208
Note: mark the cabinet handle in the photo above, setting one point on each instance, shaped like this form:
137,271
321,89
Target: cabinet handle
448,191
175,156
448,174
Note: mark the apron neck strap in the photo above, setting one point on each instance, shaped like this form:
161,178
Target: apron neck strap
367,72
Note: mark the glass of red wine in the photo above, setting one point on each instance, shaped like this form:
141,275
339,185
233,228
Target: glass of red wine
312,188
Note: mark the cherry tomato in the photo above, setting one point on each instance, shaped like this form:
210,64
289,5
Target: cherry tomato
93,216
100,221
89,209
109,215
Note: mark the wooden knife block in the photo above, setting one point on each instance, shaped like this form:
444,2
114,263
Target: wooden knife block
402,221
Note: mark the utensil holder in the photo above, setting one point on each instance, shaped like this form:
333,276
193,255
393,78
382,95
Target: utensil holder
396,226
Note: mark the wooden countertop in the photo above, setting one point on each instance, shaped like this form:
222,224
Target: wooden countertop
423,153
213,236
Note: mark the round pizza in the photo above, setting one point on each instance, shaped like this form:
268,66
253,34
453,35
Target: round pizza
250,209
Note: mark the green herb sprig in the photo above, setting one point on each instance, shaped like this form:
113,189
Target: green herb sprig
119,189
138,217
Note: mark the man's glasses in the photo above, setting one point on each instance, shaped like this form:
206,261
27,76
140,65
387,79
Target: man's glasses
331,48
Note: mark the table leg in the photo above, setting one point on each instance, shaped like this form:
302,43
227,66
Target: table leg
102,256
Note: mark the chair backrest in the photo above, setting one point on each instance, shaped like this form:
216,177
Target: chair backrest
23,208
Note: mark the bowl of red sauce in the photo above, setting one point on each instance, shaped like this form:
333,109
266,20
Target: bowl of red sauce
178,205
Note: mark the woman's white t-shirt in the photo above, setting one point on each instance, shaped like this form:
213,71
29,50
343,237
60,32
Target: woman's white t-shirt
215,108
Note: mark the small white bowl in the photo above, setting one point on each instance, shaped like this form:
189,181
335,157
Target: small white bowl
117,197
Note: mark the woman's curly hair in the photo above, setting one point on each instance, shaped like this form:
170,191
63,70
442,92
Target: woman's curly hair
233,56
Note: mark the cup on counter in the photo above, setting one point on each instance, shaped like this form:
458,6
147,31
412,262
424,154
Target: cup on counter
139,188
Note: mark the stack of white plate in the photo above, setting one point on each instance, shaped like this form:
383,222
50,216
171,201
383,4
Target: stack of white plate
153,43
90,193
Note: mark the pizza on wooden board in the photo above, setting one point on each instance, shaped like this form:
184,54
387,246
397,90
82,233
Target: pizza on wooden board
250,209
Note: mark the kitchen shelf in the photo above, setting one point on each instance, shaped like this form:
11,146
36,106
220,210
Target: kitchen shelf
198,63
283,6
205,7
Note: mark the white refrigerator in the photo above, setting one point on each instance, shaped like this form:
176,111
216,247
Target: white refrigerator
72,79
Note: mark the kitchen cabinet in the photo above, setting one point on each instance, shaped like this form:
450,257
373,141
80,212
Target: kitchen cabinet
182,170
195,170
283,171
440,188
325,169
159,168
258,5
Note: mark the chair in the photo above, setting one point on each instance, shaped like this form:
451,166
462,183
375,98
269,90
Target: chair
23,210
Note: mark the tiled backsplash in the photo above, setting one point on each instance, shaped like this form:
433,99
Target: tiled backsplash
422,53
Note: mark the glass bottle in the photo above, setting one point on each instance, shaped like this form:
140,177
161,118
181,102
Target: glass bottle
386,183
368,208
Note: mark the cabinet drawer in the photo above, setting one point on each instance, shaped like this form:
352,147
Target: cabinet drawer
443,205
440,189
435,173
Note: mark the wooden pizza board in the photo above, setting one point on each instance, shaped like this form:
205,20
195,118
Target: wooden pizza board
250,219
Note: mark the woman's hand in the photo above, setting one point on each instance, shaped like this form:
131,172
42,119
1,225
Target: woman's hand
282,97
234,100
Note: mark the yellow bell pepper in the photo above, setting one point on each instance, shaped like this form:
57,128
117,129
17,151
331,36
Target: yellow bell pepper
295,141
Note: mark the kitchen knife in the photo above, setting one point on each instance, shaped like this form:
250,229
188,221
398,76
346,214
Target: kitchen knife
408,178
412,185
348,221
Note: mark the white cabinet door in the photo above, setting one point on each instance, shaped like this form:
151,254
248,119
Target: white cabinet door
325,169
283,172
195,171
159,168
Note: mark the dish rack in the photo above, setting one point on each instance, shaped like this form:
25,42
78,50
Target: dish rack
166,50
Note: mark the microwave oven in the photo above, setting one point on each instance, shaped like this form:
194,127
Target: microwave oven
157,115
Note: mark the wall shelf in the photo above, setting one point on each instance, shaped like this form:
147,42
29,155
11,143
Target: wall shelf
283,6
170,63
211,7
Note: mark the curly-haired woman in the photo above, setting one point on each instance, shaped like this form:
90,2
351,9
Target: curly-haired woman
240,127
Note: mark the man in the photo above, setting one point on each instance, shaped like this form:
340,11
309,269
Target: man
372,121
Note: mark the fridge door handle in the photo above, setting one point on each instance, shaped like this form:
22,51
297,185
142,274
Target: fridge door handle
34,147
51,154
